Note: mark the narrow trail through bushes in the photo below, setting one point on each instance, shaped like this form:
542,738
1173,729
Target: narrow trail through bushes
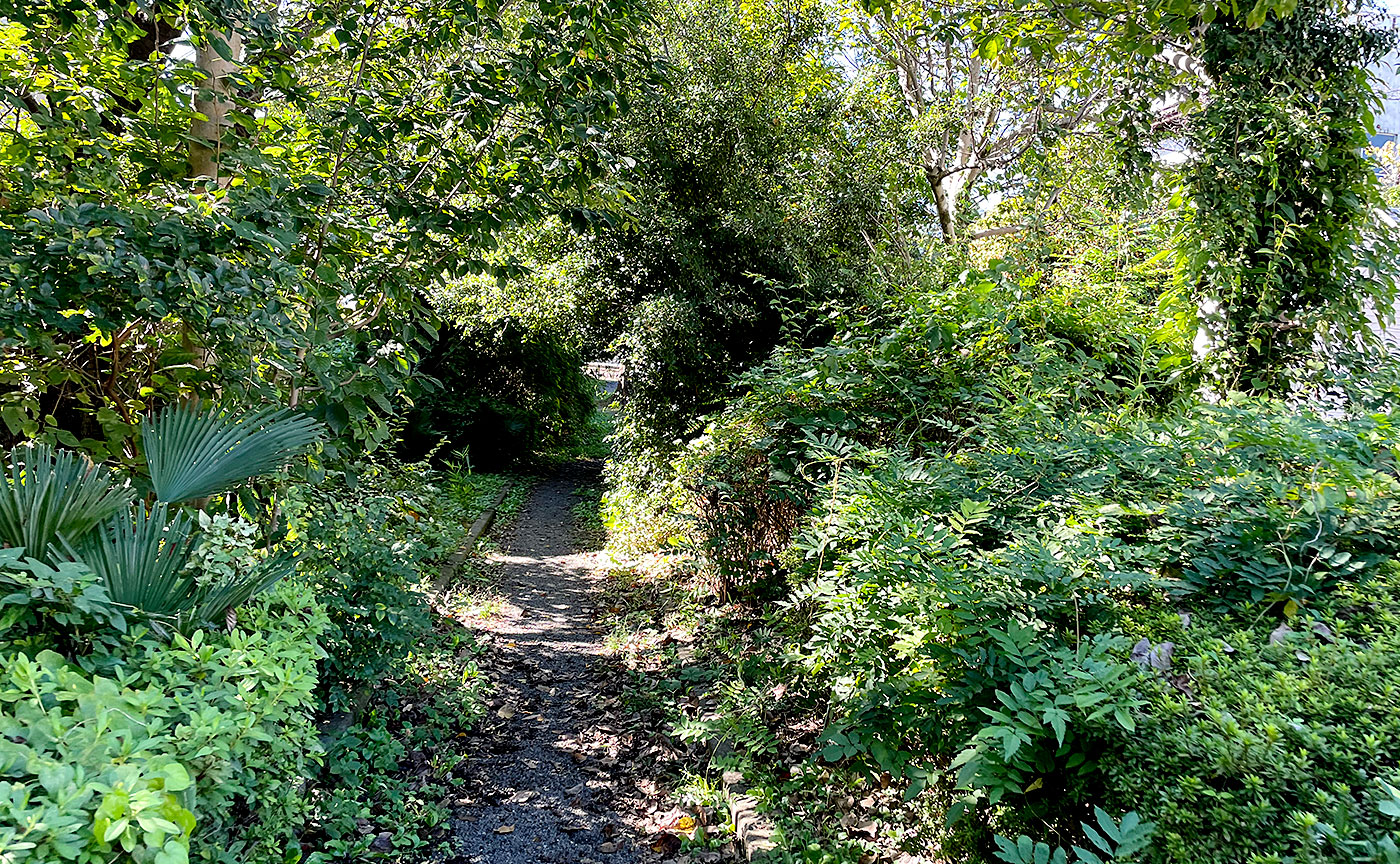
543,786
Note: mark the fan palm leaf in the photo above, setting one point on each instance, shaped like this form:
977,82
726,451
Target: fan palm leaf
194,453
52,498
141,556
214,601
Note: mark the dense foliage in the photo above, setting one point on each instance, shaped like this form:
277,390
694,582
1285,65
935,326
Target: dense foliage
1284,192
223,200
932,354
1022,569
509,390
124,739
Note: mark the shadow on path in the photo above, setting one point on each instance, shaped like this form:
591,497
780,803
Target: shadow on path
542,785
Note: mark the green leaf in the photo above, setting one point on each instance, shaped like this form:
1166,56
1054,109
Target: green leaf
194,454
1106,823
177,779
1124,719
50,499
115,830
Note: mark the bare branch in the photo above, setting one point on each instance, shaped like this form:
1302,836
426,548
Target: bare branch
998,232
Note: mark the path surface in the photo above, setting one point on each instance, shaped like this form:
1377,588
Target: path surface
542,787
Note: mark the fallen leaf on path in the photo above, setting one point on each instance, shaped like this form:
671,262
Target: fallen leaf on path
505,829
679,822
522,796
666,845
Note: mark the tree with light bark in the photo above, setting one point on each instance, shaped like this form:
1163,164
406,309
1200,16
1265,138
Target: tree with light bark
976,100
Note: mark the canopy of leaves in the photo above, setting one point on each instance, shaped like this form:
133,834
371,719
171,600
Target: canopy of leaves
368,150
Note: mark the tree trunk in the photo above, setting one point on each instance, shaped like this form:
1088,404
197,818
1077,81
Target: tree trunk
212,101
946,201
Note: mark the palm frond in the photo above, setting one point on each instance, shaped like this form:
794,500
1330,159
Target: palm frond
193,453
214,601
50,498
142,556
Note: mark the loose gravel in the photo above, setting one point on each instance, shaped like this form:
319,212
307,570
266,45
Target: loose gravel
542,788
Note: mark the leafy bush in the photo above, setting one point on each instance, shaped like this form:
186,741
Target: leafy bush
972,609
954,365
88,775
64,608
743,515
1273,743
249,703
369,542
154,748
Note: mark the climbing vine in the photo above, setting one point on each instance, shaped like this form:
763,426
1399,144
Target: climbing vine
1281,246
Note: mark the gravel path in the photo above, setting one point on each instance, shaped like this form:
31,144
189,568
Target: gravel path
543,788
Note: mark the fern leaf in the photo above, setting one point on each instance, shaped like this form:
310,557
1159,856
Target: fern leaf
52,498
141,556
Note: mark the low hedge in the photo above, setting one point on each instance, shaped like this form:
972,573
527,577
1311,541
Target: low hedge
122,754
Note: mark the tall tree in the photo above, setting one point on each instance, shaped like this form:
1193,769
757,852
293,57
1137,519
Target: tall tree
978,100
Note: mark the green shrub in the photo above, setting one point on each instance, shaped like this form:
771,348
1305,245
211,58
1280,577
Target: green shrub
369,542
251,702
87,777
974,611
949,368
151,750
744,515
64,608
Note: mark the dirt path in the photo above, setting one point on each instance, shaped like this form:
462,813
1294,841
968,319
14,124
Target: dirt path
542,788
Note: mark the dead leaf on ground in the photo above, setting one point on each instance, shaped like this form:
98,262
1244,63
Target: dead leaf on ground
666,845
505,829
